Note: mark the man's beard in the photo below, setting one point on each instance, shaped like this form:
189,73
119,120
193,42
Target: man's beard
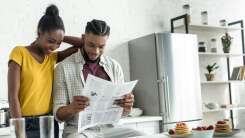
86,57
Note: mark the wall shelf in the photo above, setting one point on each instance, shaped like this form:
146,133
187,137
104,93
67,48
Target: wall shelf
219,54
223,109
208,28
222,82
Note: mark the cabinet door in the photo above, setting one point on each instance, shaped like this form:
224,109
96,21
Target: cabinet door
131,125
148,127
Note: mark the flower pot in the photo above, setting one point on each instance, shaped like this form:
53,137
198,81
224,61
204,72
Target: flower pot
226,50
209,77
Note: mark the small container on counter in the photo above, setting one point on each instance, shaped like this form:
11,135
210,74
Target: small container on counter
202,47
187,10
213,45
204,17
223,22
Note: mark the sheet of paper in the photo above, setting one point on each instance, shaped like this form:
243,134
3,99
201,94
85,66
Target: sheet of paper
102,95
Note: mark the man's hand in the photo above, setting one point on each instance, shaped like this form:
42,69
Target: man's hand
127,103
79,103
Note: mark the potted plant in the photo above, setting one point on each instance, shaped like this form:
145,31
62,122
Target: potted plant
211,69
226,42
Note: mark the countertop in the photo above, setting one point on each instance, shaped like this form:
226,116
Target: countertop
127,120
4,133
239,135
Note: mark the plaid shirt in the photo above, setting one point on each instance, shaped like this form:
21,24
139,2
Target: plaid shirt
69,82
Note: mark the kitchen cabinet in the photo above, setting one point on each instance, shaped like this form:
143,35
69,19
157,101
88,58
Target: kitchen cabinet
147,124
222,90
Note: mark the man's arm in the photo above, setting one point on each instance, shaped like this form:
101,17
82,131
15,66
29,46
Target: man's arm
78,104
13,89
63,108
66,53
128,100
127,103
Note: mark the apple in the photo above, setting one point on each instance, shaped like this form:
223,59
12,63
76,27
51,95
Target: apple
171,132
199,128
210,127
204,128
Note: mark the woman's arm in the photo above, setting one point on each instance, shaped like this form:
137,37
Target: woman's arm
66,53
77,42
13,89
72,40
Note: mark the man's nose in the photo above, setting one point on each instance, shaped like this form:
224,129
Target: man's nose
96,50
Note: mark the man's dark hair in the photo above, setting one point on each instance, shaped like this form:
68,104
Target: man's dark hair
51,20
98,27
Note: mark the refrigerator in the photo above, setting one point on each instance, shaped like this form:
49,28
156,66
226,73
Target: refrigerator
167,67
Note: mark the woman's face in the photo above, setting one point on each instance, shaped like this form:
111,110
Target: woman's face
50,40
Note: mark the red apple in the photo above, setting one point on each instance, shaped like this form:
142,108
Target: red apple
204,128
199,128
211,127
171,132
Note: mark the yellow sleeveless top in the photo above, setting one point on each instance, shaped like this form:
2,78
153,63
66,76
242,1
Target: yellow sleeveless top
36,81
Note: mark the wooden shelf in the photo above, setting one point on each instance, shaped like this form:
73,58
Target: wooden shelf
215,82
222,82
219,54
223,109
209,28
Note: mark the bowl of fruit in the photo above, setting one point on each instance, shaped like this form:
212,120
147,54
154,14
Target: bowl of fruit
203,132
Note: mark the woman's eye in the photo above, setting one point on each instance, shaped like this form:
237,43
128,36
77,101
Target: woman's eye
51,41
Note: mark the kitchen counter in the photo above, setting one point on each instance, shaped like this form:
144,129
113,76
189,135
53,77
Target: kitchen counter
4,133
139,119
239,135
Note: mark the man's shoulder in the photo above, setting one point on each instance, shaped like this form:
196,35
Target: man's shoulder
110,60
67,61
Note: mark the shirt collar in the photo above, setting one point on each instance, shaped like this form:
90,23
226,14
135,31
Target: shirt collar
80,59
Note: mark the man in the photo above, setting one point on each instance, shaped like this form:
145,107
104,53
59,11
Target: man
71,75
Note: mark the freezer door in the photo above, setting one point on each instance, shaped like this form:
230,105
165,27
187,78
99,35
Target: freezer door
182,78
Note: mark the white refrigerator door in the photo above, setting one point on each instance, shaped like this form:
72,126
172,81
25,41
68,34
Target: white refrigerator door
182,79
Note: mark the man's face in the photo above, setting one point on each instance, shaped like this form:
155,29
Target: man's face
94,45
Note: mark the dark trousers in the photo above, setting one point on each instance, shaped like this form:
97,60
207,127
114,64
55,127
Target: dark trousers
33,128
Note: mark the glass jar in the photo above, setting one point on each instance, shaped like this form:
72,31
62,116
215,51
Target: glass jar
204,17
202,47
213,45
223,22
187,10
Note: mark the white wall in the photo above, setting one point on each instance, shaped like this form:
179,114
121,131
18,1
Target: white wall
128,19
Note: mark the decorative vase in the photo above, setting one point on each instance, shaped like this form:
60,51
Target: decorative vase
209,77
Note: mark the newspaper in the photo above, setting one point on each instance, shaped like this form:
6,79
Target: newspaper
102,95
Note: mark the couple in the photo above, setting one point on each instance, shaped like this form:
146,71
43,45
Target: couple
31,85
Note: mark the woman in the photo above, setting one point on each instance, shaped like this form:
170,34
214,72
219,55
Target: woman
30,72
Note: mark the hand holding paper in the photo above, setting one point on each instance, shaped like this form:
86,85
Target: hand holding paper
79,103
102,96
126,103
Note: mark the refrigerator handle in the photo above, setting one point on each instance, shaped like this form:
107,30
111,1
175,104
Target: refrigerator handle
167,94
166,99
